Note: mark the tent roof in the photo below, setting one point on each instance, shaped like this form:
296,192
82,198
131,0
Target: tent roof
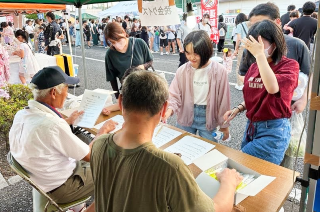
121,9
67,2
7,8
88,16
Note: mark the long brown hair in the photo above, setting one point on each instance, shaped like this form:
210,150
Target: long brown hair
113,31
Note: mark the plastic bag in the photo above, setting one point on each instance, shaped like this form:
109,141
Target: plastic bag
297,123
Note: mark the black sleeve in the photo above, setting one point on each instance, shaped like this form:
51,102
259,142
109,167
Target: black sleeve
304,58
244,65
114,85
124,25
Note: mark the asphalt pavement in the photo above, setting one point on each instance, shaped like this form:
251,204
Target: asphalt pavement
18,197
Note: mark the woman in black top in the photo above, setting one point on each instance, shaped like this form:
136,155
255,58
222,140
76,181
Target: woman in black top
87,33
144,35
123,53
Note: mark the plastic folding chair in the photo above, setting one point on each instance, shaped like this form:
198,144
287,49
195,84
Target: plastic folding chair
51,205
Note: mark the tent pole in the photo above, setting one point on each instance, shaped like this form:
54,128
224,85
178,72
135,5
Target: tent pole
82,48
313,141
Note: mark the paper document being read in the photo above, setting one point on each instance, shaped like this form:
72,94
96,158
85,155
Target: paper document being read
118,118
190,148
164,136
92,104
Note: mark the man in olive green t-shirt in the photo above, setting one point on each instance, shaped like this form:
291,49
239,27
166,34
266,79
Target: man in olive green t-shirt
132,175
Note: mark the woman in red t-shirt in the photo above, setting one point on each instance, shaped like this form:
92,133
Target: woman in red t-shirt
268,89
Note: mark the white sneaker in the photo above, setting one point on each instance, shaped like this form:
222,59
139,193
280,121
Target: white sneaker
151,51
161,53
167,53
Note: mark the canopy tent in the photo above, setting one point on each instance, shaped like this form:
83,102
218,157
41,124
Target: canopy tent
86,16
121,9
78,4
16,8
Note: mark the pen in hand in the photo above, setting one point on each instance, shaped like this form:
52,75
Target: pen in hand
226,121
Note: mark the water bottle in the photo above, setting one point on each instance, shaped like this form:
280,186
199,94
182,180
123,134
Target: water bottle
218,135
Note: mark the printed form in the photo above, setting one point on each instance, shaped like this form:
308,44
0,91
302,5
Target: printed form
92,104
190,148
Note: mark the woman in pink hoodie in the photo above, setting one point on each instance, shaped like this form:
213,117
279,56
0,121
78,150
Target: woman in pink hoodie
199,93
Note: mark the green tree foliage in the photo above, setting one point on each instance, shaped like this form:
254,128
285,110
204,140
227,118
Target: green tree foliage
32,16
19,97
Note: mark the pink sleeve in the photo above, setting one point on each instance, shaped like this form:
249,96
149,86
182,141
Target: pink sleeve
175,94
223,100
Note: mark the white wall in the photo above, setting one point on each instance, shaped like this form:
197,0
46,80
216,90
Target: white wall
247,5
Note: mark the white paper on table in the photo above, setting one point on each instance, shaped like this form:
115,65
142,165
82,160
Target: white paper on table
158,13
92,104
118,118
164,136
190,148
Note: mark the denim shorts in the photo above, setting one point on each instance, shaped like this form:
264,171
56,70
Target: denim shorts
270,140
199,123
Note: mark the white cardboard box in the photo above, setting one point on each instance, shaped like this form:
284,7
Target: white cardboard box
210,186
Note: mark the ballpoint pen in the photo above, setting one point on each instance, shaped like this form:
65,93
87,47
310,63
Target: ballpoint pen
229,116
159,129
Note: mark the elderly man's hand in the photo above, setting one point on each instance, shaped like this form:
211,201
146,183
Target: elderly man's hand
107,127
73,117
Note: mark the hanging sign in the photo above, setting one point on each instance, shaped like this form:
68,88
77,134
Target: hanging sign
9,19
158,13
211,7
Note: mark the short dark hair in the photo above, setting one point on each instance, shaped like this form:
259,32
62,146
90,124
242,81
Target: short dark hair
28,21
202,45
270,31
4,24
10,24
294,14
51,15
291,7
308,8
22,33
206,15
144,91
128,72
184,16
126,17
241,17
221,19
268,9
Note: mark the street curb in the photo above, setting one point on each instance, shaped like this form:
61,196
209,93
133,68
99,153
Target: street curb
3,182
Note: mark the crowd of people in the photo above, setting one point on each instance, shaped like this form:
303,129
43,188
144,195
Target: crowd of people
126,171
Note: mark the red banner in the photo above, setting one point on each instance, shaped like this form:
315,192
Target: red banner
211,7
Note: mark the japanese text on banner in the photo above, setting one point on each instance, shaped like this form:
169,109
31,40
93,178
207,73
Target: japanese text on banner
210,7
158,13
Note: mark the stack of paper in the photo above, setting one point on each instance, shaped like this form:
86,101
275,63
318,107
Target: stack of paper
92,104
190,148
118,118
164,136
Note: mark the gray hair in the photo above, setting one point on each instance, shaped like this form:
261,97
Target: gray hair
41,93
144,91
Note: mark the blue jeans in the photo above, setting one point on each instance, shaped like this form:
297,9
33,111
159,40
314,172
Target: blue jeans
156,43
199,123
270,139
